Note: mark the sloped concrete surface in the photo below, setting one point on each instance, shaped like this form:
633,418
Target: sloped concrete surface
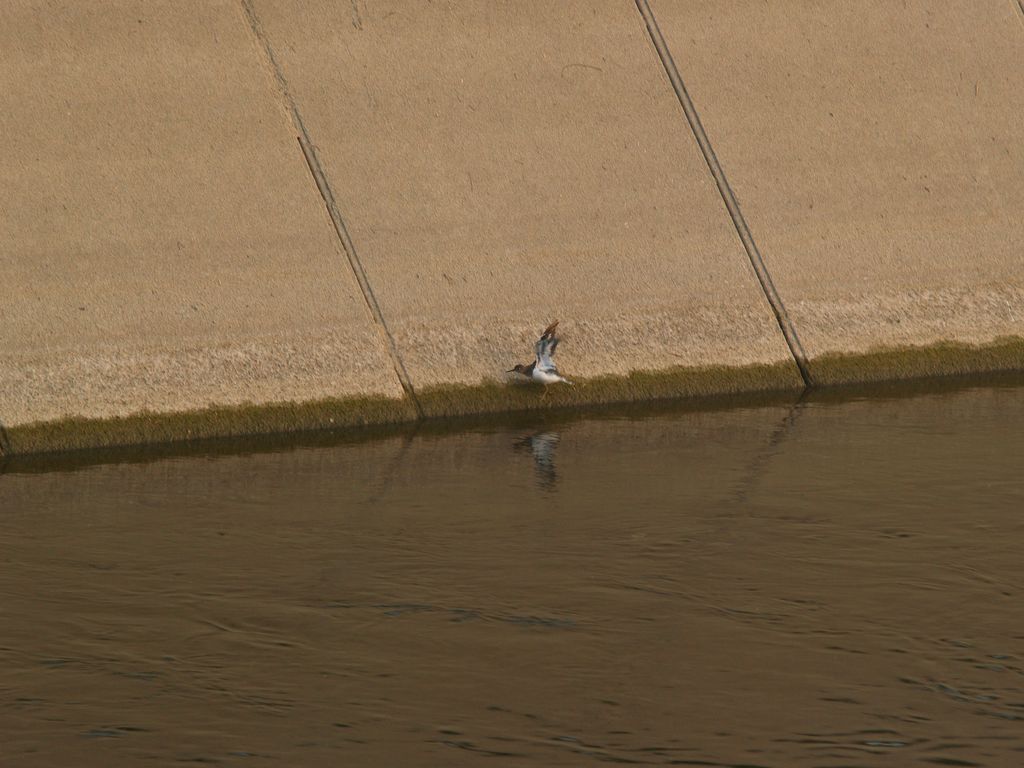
501,165
163,245
875,150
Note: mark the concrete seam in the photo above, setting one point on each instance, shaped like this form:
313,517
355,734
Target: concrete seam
357,268
728,197
324,188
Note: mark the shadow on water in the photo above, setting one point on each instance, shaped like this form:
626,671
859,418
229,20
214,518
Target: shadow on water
539,421
761,459
430,428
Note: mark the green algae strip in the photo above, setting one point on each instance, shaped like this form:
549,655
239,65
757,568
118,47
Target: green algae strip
214,422
638,386
946,358
457,401
75,433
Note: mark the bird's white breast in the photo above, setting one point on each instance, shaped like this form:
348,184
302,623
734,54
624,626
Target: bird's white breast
546,377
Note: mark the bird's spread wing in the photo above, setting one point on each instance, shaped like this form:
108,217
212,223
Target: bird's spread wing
545,348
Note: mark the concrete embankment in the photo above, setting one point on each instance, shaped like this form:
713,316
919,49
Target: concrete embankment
248,216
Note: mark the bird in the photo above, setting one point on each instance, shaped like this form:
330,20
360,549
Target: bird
543,369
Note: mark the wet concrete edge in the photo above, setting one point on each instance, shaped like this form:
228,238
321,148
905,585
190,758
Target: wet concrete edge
836,372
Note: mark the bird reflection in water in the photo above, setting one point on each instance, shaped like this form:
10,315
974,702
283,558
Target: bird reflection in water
542,445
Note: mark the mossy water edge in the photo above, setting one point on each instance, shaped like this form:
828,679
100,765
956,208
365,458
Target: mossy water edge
75,433
146,427
638,386
831,370
945,358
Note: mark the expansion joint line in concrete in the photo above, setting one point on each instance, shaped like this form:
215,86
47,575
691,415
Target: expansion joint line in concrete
357,267
324,187
728,197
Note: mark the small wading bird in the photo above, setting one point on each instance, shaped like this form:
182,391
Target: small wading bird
543,368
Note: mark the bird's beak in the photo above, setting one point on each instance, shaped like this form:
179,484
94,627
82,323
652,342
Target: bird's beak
510,370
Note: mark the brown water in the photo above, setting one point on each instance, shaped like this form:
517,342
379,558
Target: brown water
795,584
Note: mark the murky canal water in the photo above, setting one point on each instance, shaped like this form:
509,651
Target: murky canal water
825,583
